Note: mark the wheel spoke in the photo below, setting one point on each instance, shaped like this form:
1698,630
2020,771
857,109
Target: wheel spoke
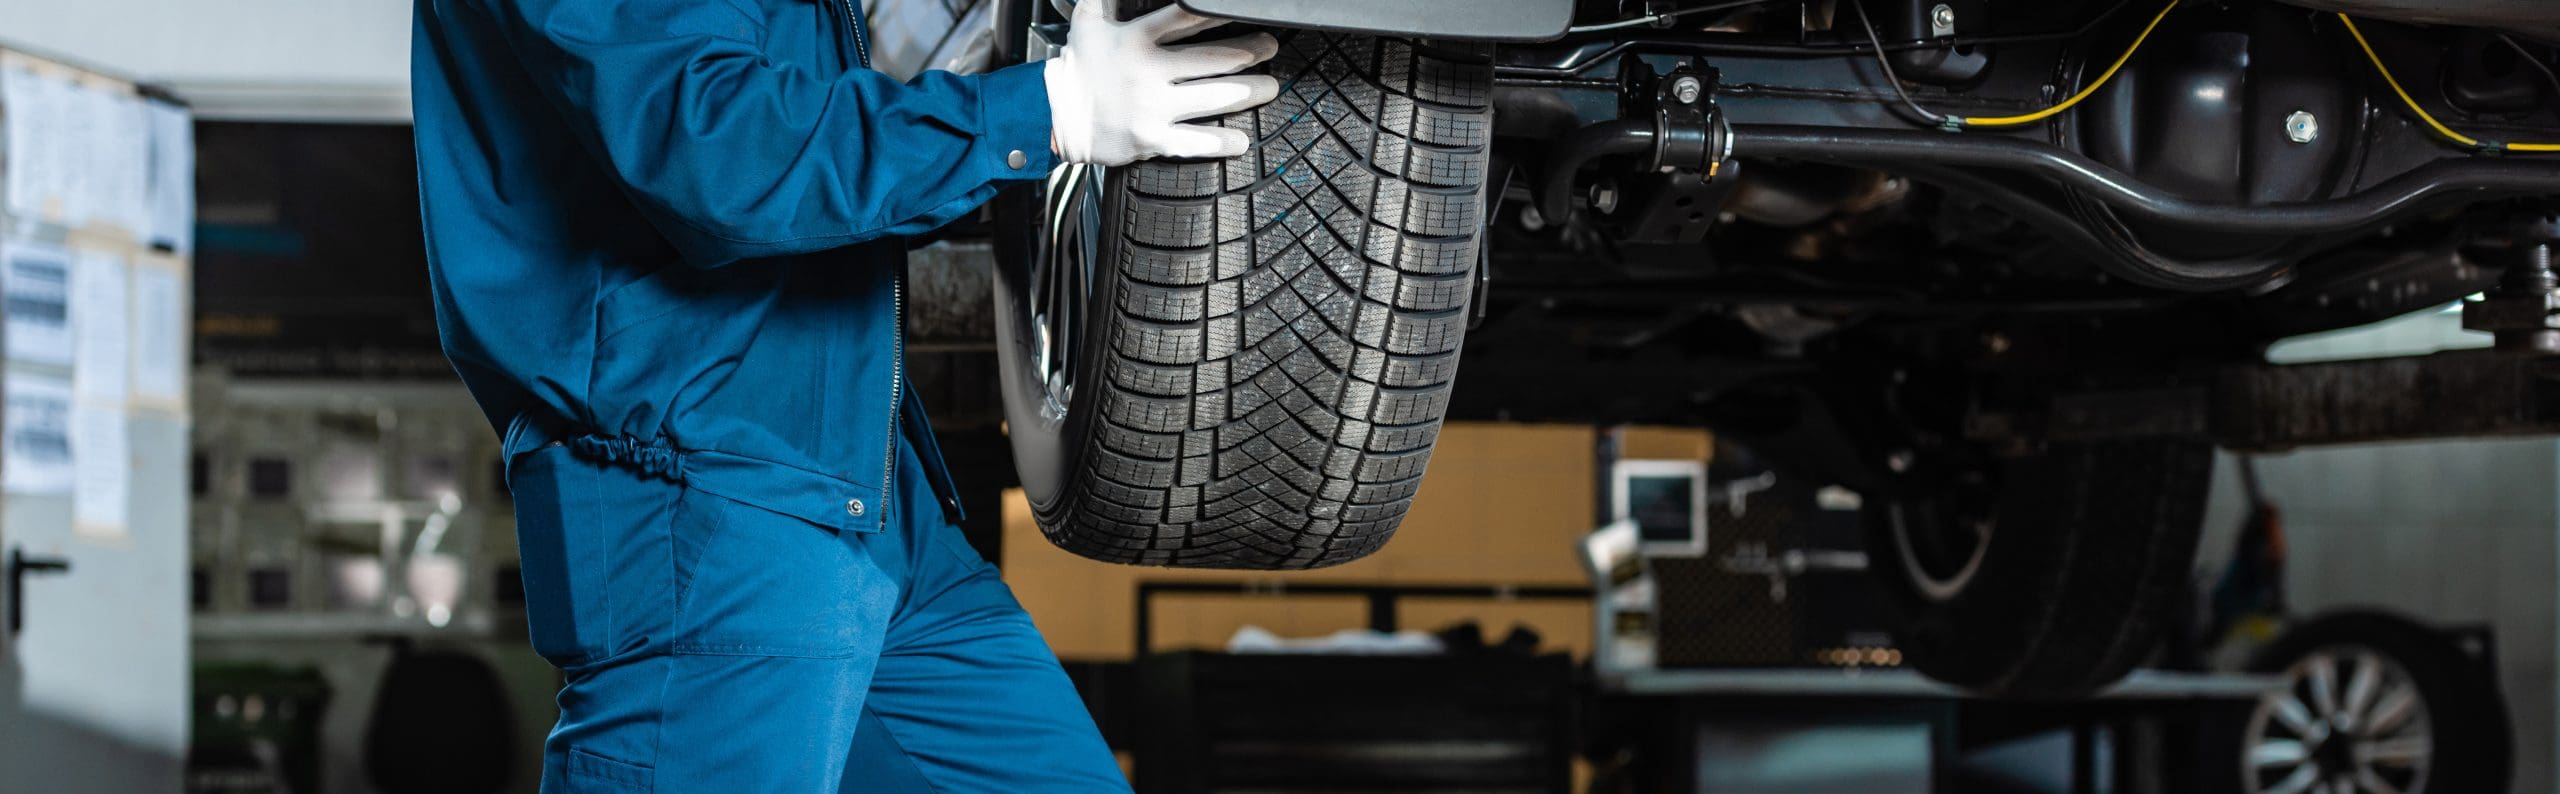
2278,752
2404,752
2288,709
2392,711
2361,686
2321,673
2299,782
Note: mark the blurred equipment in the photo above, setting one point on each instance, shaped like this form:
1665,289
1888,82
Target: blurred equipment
1479,723
1361,716
257,729
1781,582
1784,584
2249,596
361,530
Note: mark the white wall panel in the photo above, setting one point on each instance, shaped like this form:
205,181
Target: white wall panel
316,59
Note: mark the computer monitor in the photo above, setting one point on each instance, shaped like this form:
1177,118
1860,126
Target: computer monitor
1667,499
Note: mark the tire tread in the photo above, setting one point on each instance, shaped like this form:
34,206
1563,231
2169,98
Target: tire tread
1287,325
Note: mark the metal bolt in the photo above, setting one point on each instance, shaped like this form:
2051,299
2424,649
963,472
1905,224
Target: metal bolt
2301,127
1604,197
1686,88
1942,20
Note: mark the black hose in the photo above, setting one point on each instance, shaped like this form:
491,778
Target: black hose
2480,178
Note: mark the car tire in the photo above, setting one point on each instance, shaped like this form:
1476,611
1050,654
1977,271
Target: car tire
2426,693
1244,363
2047,576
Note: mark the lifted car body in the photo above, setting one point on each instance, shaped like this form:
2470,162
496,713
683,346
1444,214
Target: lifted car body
2007,270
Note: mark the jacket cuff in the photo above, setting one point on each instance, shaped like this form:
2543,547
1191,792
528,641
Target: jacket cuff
1014,102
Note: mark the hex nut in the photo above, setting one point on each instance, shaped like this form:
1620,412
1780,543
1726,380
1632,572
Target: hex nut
2301,127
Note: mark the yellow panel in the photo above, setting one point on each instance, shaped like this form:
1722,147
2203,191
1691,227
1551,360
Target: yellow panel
1646,442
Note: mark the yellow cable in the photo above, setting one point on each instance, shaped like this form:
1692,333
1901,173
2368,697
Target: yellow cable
2092,88
2423,115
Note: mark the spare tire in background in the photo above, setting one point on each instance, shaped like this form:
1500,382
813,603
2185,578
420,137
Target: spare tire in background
2045,576
1244,363
2369,693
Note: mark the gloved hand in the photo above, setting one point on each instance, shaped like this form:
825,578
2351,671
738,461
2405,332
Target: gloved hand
1118,93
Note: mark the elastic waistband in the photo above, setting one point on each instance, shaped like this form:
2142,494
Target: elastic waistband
652,458
655,459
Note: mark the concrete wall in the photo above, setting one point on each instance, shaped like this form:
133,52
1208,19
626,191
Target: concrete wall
2450,532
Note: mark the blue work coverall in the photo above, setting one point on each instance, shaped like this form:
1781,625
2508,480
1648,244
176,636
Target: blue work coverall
665,244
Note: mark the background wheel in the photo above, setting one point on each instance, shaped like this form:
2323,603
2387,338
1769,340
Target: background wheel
1244,363
2375,702
2047,576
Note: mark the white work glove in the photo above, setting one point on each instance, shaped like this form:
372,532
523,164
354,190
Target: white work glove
1118,94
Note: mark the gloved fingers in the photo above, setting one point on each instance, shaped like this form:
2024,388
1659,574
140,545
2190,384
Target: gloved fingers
1173,23
1203,141
1224,56
1222,95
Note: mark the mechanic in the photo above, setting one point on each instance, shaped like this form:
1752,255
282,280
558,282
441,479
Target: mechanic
665,239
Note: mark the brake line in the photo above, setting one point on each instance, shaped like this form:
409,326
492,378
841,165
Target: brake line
2091,88
2429,118
1954,122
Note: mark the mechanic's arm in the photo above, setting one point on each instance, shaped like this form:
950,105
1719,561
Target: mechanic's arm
733,156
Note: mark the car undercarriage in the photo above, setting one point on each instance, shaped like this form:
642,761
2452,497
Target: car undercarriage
2009,272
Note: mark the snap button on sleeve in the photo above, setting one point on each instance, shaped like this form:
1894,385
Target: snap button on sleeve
1016,159
853,507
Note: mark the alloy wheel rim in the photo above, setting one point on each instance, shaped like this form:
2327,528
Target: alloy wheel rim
2349,720
1939,557
1062,280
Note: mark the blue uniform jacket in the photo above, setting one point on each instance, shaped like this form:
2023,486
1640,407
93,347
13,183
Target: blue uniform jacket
666,232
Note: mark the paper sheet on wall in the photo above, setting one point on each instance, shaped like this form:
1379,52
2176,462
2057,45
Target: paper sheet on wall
35,301
173,179
159,335
33,106
35,452
118,178
105,147
100,338
102,466
77,154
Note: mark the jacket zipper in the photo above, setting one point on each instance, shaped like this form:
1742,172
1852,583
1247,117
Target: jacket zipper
861,49
897,304
897,380
897,307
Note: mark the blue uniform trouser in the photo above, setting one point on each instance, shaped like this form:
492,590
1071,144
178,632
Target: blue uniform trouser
710,646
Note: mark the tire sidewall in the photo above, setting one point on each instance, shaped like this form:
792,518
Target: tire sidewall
2090,544
1938,636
